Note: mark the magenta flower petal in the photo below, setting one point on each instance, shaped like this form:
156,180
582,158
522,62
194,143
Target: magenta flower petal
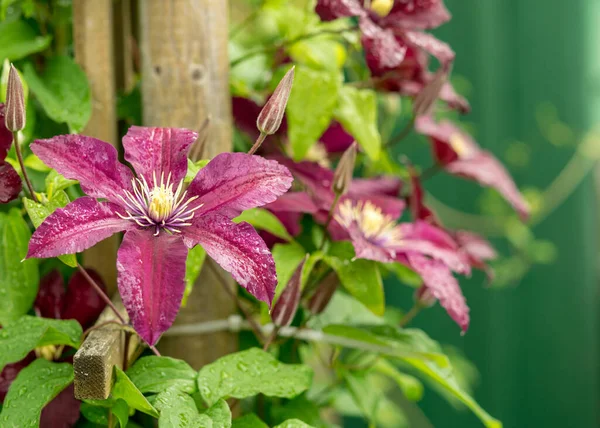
388,186
336,139
151,280
239,250
417,14
443,286
328,10
477,249
10,183
430,44
62,411
50,299
76,227
92,162
6,136
234,182
293,202
383,50
154,151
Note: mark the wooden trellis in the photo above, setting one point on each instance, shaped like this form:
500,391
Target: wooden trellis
184,65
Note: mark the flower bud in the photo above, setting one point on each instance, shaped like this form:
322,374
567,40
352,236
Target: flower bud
286,306
382,7
15,102
323,294
271,115
425,100
344,171
424,298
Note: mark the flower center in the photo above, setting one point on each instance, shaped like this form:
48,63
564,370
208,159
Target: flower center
459,145
371,221
160,206
382,7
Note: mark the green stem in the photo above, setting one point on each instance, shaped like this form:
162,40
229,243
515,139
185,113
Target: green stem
409,316
22,164
328,221
402,135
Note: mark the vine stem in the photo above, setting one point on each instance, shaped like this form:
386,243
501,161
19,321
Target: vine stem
101,293
329,218
22,164
409,316
402,135
257,143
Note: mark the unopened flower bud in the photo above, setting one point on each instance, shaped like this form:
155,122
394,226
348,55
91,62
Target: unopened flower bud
425,100
286,306
344,171
382,7
271,115
15,102
323,294
424,298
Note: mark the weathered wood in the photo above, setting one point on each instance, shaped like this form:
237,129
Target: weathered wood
93,40
185,79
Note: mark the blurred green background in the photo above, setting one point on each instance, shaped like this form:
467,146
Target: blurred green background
533,73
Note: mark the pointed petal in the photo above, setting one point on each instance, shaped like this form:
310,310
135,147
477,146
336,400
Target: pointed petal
328,10
151,280
92,162
382,49
239,250
76,227
432,45
158,150
286,306
10,182
444,287
295,202
6,136
413,14
234,182
388,186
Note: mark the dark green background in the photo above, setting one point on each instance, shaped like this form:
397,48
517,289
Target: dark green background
535,344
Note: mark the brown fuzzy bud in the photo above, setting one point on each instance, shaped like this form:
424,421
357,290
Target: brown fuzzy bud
323,294
382,7
286,306
344,171
424,298
425,100
271,115
15,102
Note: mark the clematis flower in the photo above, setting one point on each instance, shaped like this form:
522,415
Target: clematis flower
161,220
10,182
427,249
458,154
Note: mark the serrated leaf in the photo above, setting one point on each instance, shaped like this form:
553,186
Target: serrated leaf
293,423
193,266
249,421
264,220
125,389
18,40
287,258
63,91
251,372
178,410
19,280
20,337
220,414
357,112
35,386
310,107
156,374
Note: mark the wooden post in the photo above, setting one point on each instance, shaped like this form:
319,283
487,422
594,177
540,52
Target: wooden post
184,80
94,52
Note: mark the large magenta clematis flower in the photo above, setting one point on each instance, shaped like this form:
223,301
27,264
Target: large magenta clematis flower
458,154
10,182
425,248
161,220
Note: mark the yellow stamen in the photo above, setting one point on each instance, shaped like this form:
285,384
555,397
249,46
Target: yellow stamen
382,7
459,145
373,223
47,352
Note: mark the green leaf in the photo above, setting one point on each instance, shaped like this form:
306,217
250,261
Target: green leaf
39,212
193,265
125,389
194,168
121,410
95,414
404,274
361,278
410,386
220,414
155,374
357,112
63,91
299,408
319,53
19,280
293,423
55,182
18,40
35,163
178,410
249,421
365,396
251,372
20,337
264,220
35,386
310,107
287,258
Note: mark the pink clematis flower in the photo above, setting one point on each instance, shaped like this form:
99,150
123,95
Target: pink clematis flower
425,248
458,154
161,220
10,182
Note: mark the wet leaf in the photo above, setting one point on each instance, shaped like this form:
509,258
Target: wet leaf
293,423
121,410
63,91
35,386
193,265
262,219
251,372
249,421
18,338
220,415
18,279
125,389
18,40
156,374
178,410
